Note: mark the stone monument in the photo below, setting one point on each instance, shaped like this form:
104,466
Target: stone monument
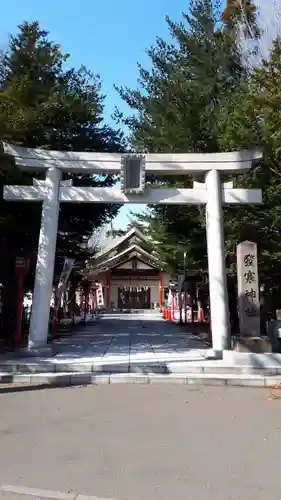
249,300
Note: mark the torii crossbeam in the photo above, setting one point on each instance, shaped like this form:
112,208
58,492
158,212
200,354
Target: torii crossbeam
52,192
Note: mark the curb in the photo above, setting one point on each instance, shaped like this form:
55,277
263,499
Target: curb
47,494
78,379
185,368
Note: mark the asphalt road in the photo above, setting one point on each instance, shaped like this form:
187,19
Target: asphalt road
137,442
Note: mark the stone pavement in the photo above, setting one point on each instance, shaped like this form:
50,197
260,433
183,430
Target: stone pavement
142,442
129,338
138,348
118,341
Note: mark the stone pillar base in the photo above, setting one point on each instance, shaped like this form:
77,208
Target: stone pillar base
33,352
252,344
213,354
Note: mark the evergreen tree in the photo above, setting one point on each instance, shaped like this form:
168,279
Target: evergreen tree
241,12
45,104
178,110
244,114
252,119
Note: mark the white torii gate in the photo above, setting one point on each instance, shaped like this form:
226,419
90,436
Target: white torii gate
53,191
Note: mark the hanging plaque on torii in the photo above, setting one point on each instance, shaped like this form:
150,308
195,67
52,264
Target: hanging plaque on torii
132,174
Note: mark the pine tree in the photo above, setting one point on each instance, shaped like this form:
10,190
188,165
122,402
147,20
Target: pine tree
253,119
241,11
199,97
43,103
178,108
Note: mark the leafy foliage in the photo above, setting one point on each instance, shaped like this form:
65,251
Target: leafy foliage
178,110
253,118
241,11
198,98
45,104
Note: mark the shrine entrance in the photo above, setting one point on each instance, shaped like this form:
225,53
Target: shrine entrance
132,170
134,297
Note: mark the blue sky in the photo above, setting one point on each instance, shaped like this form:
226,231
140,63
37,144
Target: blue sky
107,36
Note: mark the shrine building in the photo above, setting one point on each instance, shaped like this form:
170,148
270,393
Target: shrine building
131,275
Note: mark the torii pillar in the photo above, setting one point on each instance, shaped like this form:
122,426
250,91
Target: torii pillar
216,263
44,274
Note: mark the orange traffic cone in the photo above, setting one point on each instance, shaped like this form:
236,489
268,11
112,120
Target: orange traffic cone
200,315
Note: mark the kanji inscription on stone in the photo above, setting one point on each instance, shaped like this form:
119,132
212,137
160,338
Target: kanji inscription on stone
248,288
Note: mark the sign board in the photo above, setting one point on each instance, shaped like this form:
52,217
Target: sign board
131,277
248,289
132,174
99,295
22,263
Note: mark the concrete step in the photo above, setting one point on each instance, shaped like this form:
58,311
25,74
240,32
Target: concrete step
19,367
13,381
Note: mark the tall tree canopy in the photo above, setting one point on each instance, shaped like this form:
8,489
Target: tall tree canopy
253,118
237,11
43,104
199,97
178,107
47,104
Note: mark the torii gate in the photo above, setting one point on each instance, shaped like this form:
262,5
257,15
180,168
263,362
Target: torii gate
53,191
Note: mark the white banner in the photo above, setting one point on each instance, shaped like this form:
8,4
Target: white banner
64,277
100,299
170,298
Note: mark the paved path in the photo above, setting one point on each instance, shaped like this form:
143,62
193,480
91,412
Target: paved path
129,338
142,443
137,348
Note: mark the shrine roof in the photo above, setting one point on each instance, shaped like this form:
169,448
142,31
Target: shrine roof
127,254
118,251
113,242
